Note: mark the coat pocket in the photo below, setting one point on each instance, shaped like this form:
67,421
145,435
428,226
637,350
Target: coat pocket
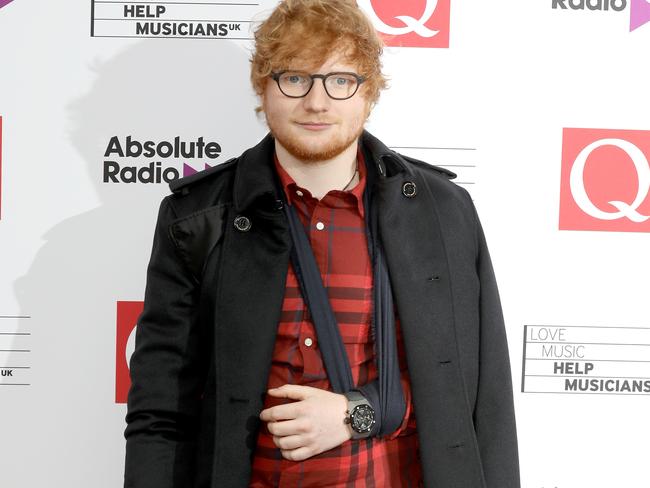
196,235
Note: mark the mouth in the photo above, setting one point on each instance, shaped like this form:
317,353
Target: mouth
315,126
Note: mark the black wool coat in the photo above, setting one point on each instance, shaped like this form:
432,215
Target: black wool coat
212,305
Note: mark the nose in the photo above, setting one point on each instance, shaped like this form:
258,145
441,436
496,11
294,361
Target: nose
317,99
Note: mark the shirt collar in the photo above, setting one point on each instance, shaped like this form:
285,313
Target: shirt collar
255,176
290,187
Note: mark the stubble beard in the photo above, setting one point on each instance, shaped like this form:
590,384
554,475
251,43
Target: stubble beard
300,148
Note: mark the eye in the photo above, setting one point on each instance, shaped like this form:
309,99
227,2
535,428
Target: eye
340,81
294,78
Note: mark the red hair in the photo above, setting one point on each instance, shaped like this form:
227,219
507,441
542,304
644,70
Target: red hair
313,30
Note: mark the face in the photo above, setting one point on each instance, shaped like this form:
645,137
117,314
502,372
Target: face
315,127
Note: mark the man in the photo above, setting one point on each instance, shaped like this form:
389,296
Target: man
320,311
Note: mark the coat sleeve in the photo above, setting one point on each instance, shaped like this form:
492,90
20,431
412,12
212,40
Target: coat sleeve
167,371
494,416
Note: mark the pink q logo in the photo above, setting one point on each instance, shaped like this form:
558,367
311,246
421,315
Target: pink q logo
629,210
410,23
605,180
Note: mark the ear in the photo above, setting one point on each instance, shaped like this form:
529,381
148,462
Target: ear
270,85
260,109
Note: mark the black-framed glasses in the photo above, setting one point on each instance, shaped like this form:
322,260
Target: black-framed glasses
339,85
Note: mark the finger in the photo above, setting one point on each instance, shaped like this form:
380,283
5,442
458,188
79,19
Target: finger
288,411
289,442
294,392
288,427
299,454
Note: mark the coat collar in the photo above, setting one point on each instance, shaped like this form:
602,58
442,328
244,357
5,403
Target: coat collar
256,178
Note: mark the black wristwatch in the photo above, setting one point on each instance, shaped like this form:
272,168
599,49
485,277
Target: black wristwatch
360,415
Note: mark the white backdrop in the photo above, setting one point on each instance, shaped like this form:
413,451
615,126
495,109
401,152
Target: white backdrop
493,106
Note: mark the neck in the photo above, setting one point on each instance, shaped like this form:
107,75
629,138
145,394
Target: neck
320,177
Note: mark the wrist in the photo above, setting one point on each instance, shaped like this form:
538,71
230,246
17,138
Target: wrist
346,426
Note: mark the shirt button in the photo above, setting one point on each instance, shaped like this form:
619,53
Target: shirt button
320,225
308,342
299,193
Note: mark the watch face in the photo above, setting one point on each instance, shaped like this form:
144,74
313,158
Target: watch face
363,418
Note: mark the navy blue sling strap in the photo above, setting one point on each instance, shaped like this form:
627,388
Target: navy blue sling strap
385,393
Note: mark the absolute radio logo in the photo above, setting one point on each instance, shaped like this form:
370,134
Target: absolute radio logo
127,318
605,181
4,2
410,23
133,161
639,9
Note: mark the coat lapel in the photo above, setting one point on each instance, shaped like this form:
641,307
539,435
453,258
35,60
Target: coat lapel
251,286
417,260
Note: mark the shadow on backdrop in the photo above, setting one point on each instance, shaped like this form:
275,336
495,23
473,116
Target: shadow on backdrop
154,90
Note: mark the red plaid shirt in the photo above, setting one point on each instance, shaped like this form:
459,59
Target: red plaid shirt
338,239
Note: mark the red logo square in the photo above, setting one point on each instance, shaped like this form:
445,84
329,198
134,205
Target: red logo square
410,23
605,182
127,318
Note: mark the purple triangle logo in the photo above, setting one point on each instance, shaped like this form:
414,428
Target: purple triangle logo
639,13
4,2
188,170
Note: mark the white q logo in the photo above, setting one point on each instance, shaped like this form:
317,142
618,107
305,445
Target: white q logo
412,24
577,183
130,347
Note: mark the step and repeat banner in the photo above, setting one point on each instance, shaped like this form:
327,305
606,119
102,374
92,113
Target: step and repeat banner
541,107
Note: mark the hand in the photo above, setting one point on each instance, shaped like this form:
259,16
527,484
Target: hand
312,424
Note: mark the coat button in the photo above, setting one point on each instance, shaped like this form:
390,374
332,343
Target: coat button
409,189
242,223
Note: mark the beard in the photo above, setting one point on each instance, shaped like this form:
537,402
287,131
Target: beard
303,149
